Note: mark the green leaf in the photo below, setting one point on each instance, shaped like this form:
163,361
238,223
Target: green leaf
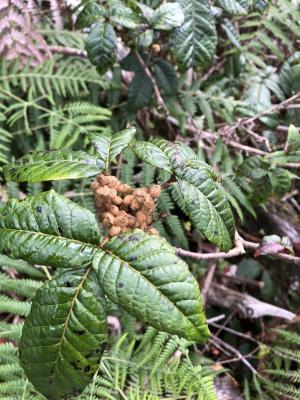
122,15
167,16
234,7
143,275
166,77
205,201
206,204
91,13
53,165
293,139
65,334
101,46
108,145
151,154
194,43
49,229
145,39
139,91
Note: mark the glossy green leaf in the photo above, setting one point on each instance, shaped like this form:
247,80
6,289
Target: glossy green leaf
101,46
90,14
65,334
151,154
166,77
49,229
167,16
206,204
204,199
109,145
234,7
53,165
194,43
142,274
122,15
139,91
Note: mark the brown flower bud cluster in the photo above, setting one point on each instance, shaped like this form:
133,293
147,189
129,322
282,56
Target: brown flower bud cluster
121,207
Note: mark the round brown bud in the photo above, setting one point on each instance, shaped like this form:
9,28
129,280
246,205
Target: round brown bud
134,205
113,182
114,210
141,217
155,48
114,231
128,200
113,193
108,219
102,179
117,200
131,220
103,191
155,191
125,189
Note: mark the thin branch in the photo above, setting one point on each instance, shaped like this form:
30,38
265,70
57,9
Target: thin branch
208,280
157,94
68,51
240,248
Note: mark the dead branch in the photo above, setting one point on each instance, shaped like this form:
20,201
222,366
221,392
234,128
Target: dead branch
245,305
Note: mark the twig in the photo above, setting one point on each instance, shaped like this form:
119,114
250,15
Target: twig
240,248
68,51
236,352
208,280
241,280
236,251
157,94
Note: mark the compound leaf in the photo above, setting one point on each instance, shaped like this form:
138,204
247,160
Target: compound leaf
142,274
234,7
194,42
65,334
53,165
109,145
49,229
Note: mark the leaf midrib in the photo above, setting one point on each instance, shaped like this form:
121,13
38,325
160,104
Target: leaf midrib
67,323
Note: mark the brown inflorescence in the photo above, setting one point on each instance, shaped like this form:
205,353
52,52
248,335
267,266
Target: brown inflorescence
122,208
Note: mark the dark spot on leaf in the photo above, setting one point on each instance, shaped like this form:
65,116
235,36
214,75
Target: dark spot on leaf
73,364
120,285
79,332
68,284
87,368
132,238
39,209
132,258
61,232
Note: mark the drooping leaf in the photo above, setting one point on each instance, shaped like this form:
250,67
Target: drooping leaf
167,16
194,43
109,145
142,274
206,204
151,154
53,165
101,46
139,91
65,334
49,229
204,199
166,76
234,7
